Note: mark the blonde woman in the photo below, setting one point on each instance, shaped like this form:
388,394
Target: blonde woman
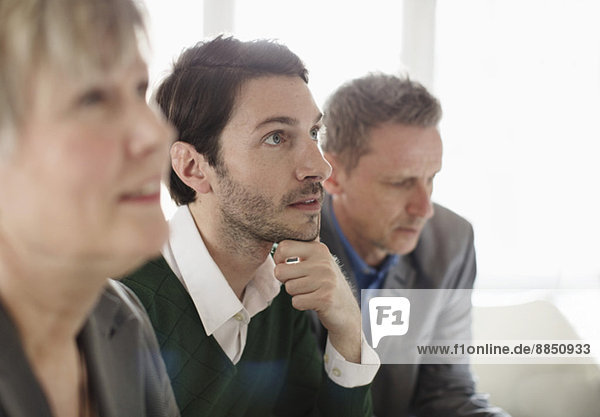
81,159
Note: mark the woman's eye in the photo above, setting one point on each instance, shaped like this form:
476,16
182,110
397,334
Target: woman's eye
314,133
274,139
92,97
142,88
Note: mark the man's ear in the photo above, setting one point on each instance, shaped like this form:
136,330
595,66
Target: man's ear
334,184
190,166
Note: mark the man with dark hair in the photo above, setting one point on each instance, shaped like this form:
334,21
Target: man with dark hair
247,173
384,147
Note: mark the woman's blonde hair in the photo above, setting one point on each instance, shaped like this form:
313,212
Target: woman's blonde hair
79,37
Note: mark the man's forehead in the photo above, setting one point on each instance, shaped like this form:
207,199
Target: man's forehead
399,139
404,151
284,120
266,86
274,99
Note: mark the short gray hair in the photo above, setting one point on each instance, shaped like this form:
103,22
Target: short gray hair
367,102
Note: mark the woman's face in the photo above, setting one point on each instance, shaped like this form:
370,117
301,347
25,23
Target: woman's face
82,185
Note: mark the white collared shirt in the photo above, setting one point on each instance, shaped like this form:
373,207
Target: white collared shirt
225,317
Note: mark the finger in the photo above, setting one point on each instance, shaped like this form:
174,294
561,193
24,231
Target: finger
317,271
320,301
289,249
286,271
298,286
304,302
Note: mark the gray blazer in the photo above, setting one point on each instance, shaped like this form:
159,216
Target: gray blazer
444,258
127,375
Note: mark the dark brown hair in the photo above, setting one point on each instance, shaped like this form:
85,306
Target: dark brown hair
199,96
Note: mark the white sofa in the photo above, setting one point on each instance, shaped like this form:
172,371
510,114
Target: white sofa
534,390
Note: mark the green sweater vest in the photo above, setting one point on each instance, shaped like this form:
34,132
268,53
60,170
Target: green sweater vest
280,372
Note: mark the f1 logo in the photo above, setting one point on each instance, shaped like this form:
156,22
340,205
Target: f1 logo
389,316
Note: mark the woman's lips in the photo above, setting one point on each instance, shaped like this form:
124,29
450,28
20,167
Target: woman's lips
148,192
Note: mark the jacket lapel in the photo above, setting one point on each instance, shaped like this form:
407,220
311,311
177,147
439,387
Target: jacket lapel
402,275
330,237
20,392
111,372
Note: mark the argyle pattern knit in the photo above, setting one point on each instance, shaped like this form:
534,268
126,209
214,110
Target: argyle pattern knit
280,372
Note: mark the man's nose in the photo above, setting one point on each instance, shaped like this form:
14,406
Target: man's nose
310,163
420,204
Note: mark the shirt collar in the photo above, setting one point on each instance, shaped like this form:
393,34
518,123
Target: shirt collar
215,301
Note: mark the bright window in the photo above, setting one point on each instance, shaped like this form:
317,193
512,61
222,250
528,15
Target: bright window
519,81
520,86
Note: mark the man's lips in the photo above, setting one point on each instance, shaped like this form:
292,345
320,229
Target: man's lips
408,229
308,203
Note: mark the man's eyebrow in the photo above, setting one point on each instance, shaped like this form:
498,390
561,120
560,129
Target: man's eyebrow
290,121
277,119
403,176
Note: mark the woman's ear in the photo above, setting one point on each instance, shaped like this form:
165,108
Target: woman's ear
190,166
334,184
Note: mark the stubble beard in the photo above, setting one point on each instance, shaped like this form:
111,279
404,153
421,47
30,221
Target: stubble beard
249,217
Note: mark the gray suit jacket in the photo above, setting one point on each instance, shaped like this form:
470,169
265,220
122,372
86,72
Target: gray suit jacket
126,372
444,258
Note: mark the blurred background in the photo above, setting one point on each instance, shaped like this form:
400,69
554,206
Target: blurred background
519,83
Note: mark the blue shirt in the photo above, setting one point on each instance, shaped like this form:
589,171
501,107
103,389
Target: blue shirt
367,277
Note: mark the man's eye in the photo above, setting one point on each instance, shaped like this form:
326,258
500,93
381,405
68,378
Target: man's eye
403,184
274,139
